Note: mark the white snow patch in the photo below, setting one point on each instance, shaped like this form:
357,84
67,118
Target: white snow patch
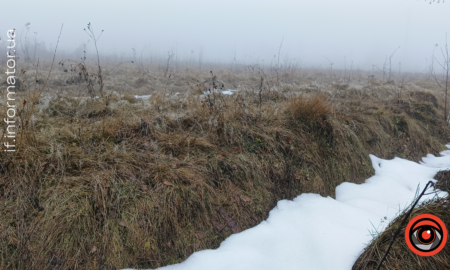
143,96
228,92
224,92
314,232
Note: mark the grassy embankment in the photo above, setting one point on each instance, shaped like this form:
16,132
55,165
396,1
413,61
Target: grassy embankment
123,182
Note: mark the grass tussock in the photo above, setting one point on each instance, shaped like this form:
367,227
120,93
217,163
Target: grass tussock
310,109
120,182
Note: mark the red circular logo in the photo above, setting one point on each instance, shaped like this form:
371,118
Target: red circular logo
426,235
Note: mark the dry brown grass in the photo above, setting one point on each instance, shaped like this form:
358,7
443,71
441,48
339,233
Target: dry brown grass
124,182
309,109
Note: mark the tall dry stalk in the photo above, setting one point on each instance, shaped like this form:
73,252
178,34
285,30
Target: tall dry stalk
35,97
91,34
446,72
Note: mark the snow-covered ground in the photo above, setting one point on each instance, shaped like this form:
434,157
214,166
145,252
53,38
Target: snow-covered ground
143,96
228,92
224,92
314,232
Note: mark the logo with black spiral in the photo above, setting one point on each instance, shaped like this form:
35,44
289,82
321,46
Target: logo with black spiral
426,235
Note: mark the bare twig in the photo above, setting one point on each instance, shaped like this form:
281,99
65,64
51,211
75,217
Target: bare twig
91,34
430,183
36,98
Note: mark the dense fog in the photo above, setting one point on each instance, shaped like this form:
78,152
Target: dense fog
342,34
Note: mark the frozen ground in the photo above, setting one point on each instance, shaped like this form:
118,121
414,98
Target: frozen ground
314,232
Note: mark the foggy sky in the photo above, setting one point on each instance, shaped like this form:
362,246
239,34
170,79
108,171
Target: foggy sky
362,31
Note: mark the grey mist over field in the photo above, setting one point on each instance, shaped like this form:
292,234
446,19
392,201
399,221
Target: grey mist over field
312,33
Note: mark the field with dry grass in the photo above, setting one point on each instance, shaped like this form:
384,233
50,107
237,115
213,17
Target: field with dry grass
124,181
